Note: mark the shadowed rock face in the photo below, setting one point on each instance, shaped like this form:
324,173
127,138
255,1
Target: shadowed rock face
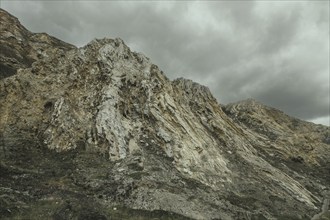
99,132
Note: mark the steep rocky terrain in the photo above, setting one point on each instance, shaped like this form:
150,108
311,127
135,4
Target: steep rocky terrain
20,48
99,132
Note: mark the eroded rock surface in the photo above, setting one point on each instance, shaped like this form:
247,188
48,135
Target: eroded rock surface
99,132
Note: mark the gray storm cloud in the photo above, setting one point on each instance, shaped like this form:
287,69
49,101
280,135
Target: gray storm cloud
276,52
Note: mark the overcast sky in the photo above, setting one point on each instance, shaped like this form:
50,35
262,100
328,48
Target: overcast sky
276,52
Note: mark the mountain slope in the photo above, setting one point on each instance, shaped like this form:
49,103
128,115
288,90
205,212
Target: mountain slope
103,124
20,48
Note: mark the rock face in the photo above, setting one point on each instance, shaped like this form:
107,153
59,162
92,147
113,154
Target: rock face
99,132
20,48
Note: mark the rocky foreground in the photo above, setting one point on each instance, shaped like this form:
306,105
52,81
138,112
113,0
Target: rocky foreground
99,132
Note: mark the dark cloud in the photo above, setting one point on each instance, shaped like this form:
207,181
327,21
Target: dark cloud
279,32
276,52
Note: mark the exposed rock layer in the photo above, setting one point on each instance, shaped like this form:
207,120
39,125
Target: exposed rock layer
103,124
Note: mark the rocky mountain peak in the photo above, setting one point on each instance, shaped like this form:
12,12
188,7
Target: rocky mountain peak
103,124
20,47
194,90
11,27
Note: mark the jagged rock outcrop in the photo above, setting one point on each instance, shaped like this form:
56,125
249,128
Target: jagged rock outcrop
104,125
20,48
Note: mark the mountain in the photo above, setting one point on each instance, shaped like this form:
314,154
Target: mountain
99,132
20,48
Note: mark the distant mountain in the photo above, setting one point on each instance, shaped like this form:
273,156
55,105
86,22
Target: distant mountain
99,132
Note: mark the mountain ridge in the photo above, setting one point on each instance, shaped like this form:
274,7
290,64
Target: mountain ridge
29,46
104,124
